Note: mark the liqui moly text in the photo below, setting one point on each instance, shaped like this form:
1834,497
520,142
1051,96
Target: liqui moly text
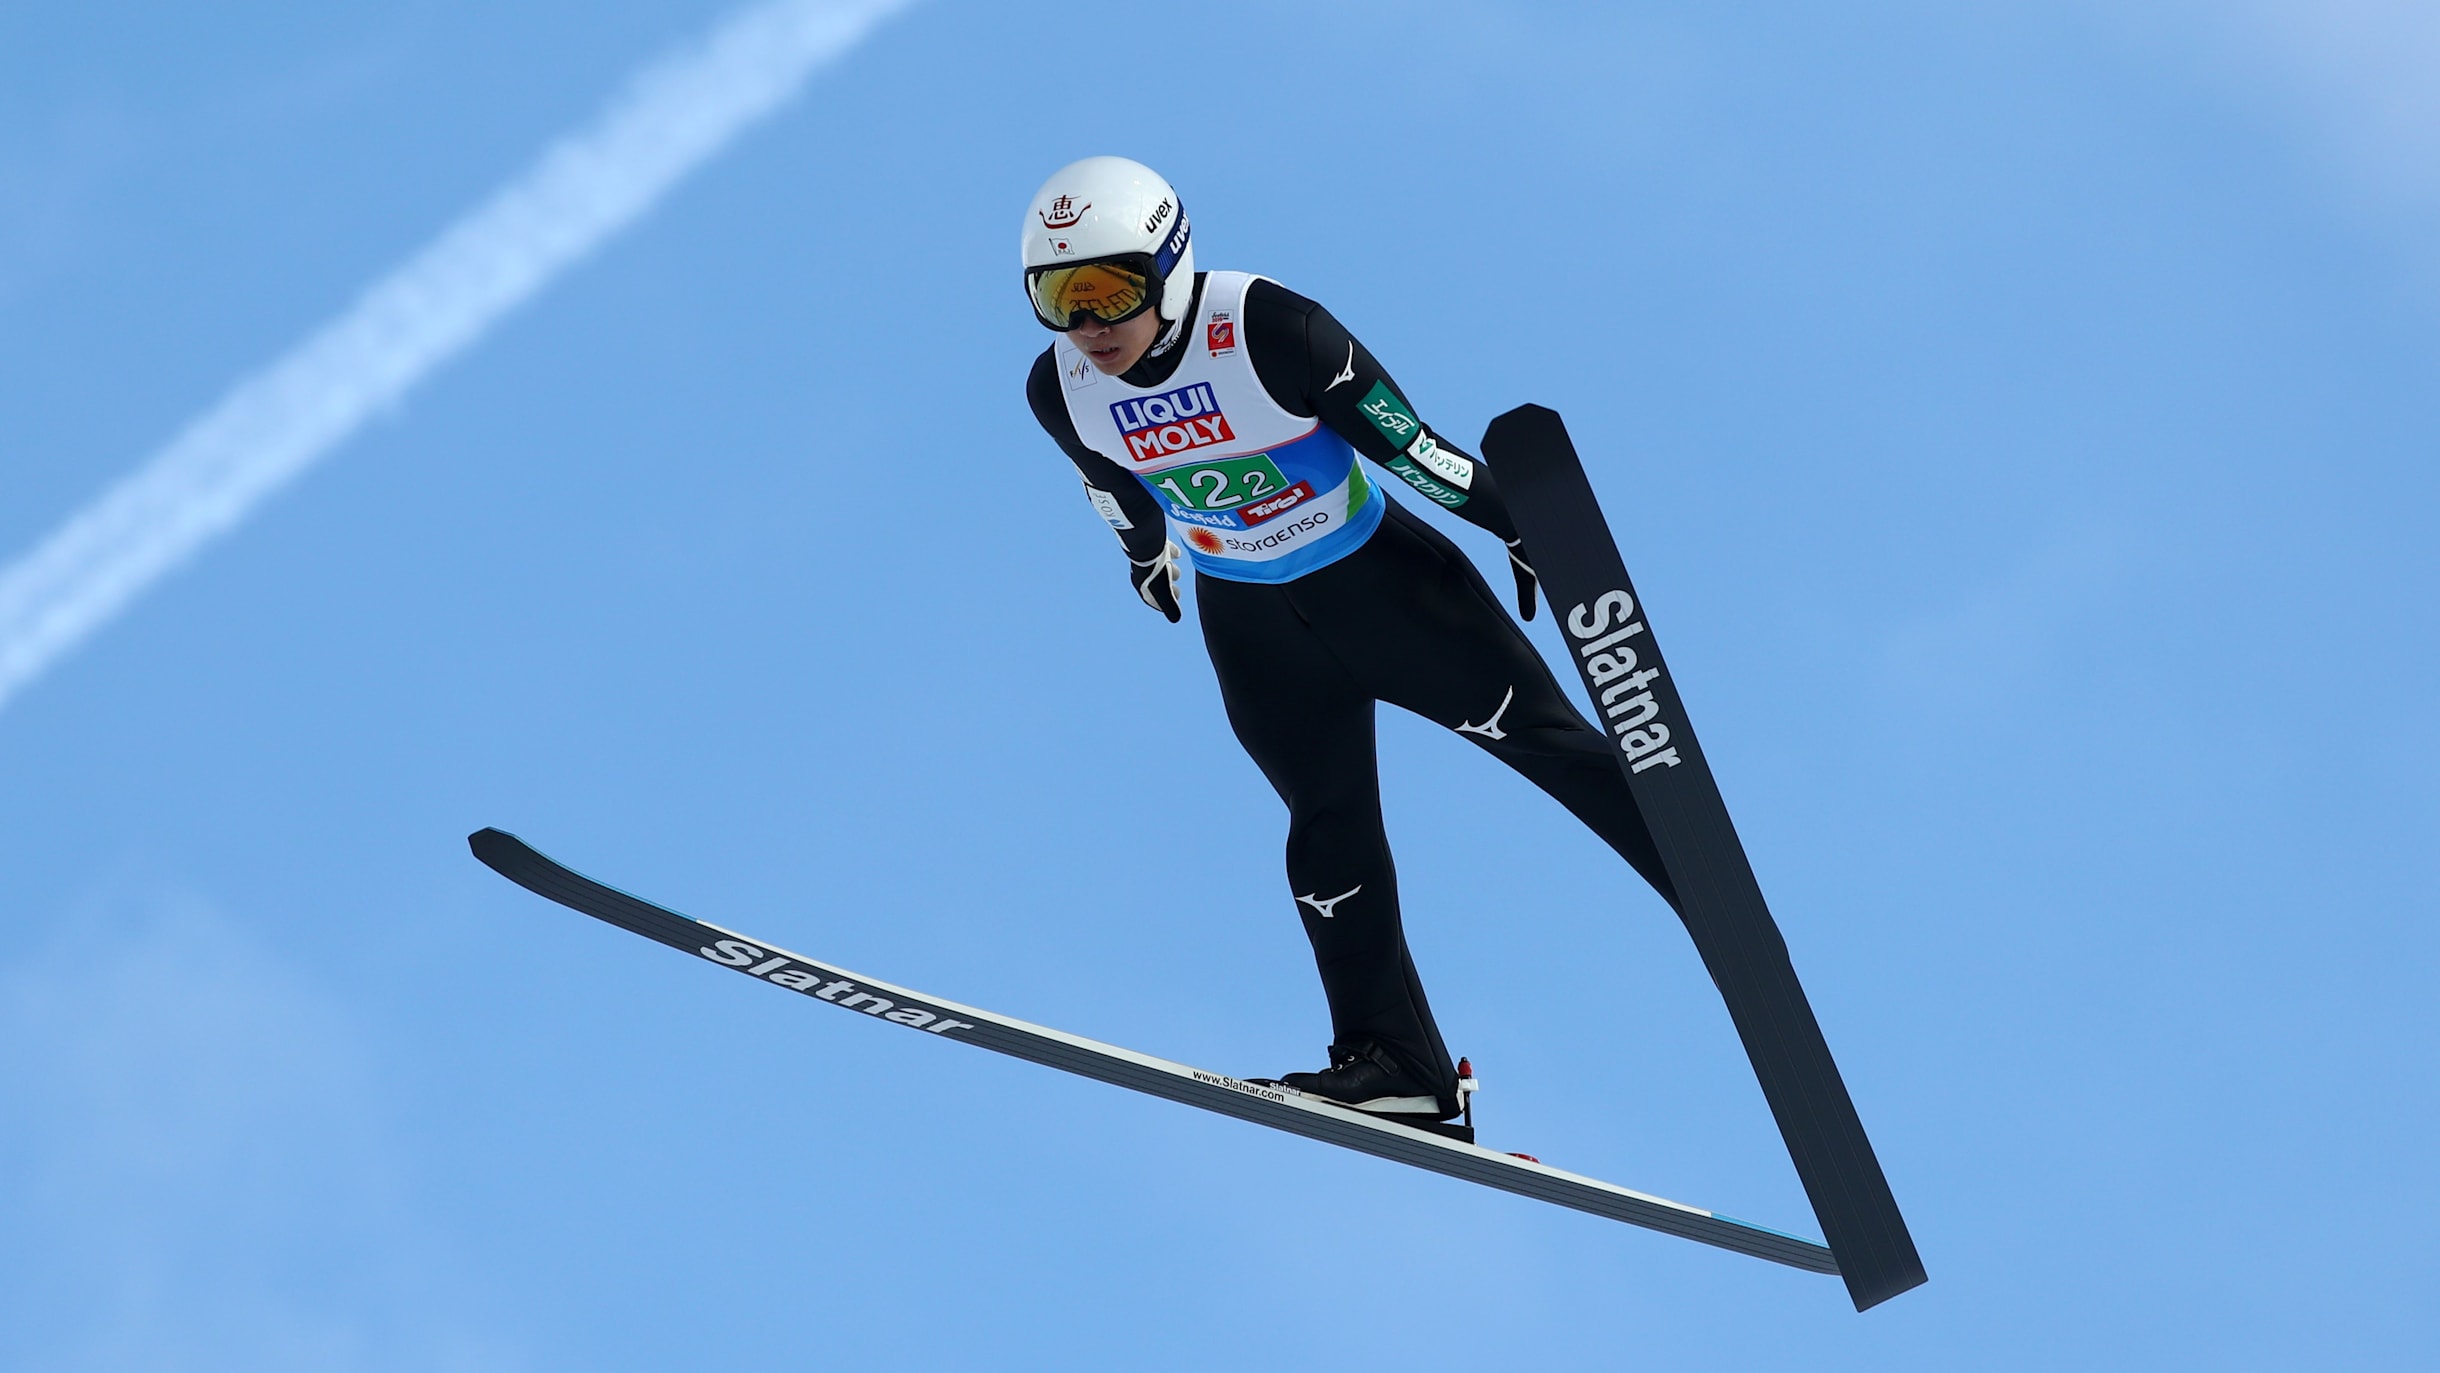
1171,423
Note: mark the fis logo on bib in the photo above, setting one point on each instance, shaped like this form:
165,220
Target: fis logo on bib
1172,422
1080,372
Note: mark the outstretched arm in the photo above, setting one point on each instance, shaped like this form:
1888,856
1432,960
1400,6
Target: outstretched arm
1311,365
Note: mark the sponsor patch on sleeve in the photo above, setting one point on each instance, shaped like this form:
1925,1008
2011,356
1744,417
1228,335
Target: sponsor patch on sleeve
1415,477
1107,505
1390,415
1453,469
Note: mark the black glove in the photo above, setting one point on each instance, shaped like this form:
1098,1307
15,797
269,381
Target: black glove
1526,580
1156,580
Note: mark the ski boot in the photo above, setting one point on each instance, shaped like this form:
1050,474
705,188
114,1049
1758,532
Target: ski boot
1363,1076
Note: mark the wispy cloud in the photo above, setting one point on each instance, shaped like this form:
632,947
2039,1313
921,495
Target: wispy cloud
675,115
2362,77
204,1169
2372,69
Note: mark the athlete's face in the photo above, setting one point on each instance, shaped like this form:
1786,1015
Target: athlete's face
1113,348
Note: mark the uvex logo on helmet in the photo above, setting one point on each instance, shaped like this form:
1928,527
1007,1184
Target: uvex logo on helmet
1172,422
1177,244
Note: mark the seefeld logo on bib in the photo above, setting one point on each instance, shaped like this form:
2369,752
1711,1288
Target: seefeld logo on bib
1172,422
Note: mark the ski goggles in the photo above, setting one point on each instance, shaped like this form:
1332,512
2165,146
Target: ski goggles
1113,290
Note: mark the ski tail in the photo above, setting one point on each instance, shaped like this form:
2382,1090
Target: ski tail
1615,654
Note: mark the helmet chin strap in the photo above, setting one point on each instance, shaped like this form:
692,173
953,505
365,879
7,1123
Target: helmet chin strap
1168,339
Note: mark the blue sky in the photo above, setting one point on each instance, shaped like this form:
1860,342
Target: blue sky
2018,418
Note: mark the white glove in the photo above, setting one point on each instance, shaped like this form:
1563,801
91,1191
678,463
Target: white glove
1156,580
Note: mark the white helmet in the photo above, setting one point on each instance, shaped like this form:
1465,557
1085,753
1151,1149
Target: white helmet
1107,211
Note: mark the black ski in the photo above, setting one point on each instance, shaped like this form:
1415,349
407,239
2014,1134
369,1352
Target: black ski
518,861
1585,582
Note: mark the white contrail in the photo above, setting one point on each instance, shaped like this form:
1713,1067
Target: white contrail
677,112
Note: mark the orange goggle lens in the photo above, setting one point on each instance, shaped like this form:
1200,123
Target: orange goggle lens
1102,290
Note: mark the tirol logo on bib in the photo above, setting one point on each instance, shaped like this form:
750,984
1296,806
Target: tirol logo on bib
1172,422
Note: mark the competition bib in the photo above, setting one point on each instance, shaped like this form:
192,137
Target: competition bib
1254,493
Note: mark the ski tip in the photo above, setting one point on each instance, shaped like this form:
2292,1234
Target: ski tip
497,846
1527,411
1527,424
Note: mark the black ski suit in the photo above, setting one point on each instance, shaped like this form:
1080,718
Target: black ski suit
1405,619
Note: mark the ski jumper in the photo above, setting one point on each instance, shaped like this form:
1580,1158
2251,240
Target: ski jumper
1319,596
